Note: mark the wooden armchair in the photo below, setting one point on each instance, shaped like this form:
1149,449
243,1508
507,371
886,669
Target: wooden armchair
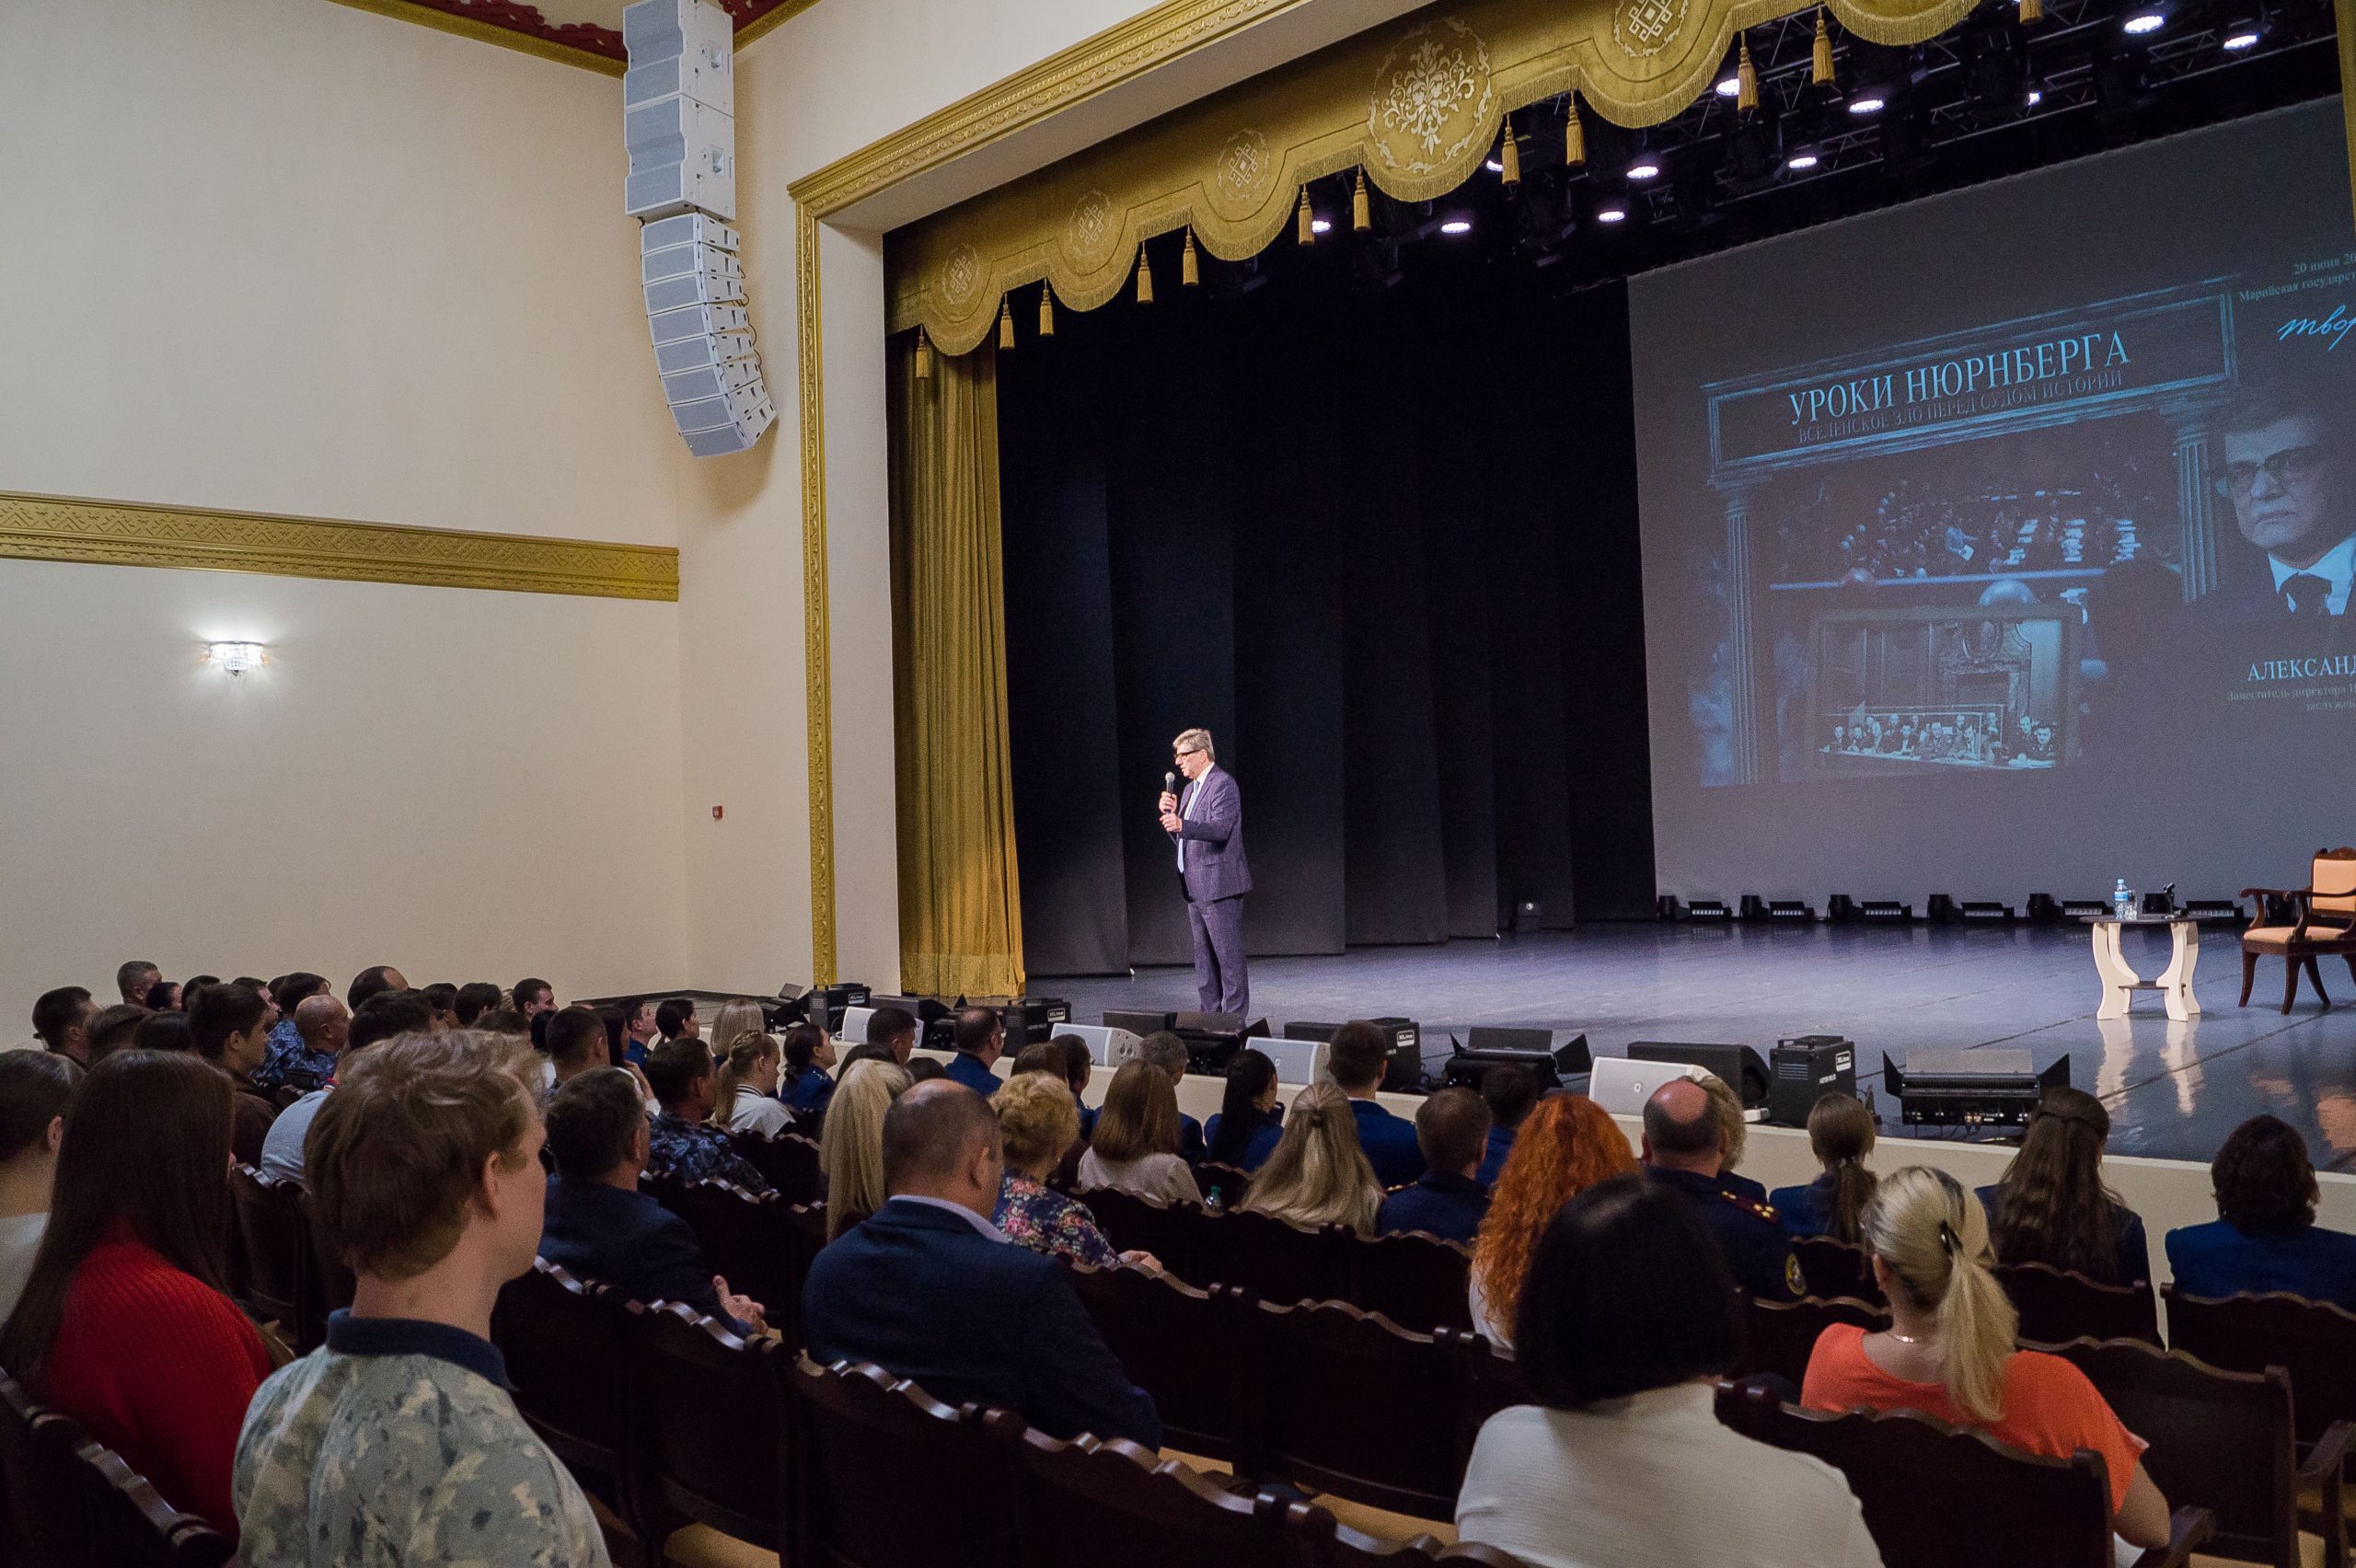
2323,925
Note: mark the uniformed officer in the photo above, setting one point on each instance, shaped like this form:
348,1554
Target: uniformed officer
1684,1147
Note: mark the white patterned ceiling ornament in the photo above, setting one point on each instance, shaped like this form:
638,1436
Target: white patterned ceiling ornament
1642,28
1433,99
960,275
1246,169
1089,240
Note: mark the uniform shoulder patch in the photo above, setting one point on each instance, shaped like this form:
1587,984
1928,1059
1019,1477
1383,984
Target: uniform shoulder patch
1793,1278
1751,1206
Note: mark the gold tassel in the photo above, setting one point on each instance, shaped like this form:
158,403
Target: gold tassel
1574,139
1821,73
1361,218
1509,155
1746,77
1190,271
1303,219
1145,277
1046,310
2032,12
924,356
1005,322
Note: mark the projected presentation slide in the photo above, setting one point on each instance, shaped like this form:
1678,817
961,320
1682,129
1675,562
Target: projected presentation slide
2038,496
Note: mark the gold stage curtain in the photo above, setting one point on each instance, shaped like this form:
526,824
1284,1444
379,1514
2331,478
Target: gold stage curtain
961,912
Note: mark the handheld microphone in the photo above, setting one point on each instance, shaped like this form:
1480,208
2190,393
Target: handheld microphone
1169,783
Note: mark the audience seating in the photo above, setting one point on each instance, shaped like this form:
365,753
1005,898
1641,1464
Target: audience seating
1231,1183
855,1429
1834,1269
707,1433
1416,1281
73,1504
1783,1334
1179,1344
1273,1258
1172,1232
1338,1546
274,1240
566,1359
2313,1342
756,1243
329,1282
1084,1503
2222,1441
1348,1403
789,1160
1934,1496
2059,1304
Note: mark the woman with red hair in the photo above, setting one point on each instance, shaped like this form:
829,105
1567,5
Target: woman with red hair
1568,1145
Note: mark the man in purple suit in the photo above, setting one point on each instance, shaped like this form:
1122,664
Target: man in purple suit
1205,821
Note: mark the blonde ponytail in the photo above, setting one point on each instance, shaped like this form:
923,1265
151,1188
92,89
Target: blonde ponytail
740,1040
1933,1236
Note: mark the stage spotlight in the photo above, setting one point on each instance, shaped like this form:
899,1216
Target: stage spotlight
2149,20
1729,86
2035,98
1645,167
1457,225
1802,160
2242,35
1493,165
1321,225
1611,210
1869,104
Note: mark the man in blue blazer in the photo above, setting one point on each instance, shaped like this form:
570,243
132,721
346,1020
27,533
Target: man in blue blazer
599,1227
1357,1057
1205,820
929,1289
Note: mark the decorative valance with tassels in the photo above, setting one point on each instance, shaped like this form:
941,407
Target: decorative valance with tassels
1415,106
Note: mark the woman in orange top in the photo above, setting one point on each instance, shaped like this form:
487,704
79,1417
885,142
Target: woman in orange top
1949,1351
1567,1145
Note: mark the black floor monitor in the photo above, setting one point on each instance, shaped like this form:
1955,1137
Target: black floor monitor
1743,1069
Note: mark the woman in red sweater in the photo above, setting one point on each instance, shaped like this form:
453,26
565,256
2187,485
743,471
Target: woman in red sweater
122,1324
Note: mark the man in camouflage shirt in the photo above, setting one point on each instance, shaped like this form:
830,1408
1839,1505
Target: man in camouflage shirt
680,1143
397,1444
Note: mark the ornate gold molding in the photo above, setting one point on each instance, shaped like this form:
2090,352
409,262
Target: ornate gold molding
816,664
41,527
490,32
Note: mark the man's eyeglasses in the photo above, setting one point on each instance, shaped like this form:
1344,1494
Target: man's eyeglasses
2292,466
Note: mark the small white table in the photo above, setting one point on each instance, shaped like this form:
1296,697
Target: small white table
2120,982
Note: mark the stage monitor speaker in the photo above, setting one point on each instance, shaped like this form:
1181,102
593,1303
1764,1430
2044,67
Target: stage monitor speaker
1806,1068
1485,1037
1106,1048
2044,909
1138,1023
1469,1067
1298,1062
1708,910
1213,1039
1622,1083
1991,1086
1739,1066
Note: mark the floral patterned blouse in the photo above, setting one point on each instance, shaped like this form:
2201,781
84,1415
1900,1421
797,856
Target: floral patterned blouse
1048,1222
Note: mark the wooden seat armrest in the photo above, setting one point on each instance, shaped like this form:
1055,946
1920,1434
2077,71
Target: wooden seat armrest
2272,892
2326,1470
2189,1531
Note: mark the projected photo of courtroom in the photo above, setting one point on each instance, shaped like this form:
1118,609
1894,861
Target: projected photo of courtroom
1900,690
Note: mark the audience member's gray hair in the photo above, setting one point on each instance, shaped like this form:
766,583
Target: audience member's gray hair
1164,1050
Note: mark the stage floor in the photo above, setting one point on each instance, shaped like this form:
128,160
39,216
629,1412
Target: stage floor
2173,1089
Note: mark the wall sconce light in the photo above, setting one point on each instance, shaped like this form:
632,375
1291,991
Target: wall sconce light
236,658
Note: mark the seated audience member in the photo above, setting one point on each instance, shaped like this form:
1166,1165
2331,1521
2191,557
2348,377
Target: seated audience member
1356,1057
924,1069
1039,1057
895,1028
61,1022
398,1441
505,1021
686,1146
1684,1145
600,1226
34,1088
1840,1131
1626,1318
980,1039
382,1016
293,1059
475,998
2052,1206
1037,1121
231,1024
441,1001
167,1030
637,1031
374,980
850,1143
1448,1199
122,1324
744,1098
576,1044
112,1029
676,1019
1317,1175
165,996
806,1086
1243,1131
135,979
1565,1145
1949,1351
1135,1146
1166,1051
1510,1091
192,985
1078,1068
2265,1236
929,1289
865,1053
1728,1105
533,996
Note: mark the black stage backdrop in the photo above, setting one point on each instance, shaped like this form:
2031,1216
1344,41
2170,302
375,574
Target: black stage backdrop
1385,550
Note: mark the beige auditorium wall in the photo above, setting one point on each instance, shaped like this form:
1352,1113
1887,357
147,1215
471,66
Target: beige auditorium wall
285,256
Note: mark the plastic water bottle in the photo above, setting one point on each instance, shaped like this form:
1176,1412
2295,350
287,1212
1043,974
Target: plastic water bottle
2122,901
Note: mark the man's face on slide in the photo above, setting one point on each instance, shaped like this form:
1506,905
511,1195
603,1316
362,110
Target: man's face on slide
2280,478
